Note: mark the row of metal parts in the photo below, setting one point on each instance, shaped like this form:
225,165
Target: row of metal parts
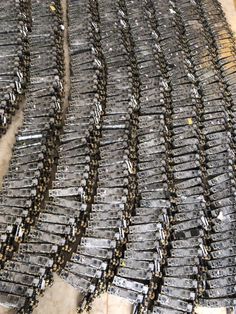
24,187
15,60
143,200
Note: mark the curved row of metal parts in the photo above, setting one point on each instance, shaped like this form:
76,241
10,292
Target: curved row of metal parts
143,199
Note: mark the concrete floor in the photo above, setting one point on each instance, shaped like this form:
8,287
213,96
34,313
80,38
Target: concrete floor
61,298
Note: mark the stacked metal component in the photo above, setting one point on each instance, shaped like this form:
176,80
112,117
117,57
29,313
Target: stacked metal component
15,24
182,273
142,203
85,167
30,169
66,210
102,245
220,276
139,271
